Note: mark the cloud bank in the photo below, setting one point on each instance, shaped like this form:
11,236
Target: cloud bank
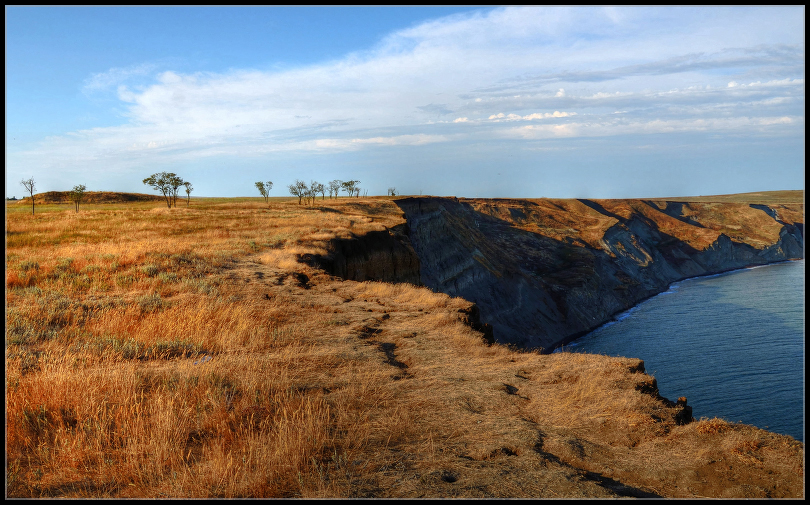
567,73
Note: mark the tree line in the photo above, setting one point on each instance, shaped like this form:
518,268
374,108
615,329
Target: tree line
169,184
309,192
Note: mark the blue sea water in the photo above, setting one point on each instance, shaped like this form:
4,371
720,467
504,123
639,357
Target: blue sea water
732,343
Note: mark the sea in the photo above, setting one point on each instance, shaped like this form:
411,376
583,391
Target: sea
731,343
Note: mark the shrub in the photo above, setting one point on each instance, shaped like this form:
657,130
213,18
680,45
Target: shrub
29,265
151,303
150,270
711,426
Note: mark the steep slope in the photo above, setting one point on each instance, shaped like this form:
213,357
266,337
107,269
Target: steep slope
544,272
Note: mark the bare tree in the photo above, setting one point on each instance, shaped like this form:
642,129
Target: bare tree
318,188
392,191
30,186
299,189
312,191
189,189
77,194
334,187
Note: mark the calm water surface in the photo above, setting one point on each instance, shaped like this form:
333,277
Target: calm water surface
732,343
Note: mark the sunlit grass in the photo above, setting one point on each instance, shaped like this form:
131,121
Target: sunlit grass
155,352
97,299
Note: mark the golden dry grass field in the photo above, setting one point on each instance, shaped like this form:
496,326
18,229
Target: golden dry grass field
186,352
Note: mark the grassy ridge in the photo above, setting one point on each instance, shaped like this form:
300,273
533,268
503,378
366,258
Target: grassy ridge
156,352
760,197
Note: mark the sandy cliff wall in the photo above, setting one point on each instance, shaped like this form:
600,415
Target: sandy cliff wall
543,272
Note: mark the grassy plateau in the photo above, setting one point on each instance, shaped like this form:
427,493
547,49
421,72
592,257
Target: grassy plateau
186,352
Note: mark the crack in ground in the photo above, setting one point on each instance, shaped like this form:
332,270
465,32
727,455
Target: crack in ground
606,482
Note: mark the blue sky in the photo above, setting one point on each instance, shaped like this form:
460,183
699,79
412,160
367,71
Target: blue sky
490,102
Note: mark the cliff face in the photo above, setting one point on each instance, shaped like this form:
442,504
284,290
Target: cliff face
385,255
544,272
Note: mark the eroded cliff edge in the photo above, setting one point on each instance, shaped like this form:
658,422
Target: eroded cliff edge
544,272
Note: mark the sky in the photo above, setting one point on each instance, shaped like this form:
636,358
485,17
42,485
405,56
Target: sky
491,102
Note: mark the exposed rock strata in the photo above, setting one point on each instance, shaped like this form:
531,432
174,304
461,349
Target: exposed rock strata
385,255
544,272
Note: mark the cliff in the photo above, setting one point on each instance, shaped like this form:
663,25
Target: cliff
213,363
544,272
385,255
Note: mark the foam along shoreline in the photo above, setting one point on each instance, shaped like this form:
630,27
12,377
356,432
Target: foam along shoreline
671,288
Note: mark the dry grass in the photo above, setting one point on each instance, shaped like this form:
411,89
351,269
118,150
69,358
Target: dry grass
573,221
108,311
187,353
760,197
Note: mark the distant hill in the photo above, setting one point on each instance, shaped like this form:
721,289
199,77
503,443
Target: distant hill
90,197
759,197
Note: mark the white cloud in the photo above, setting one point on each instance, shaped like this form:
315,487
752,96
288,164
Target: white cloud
115,76
777,82
655,126
357,143
537,115
481,63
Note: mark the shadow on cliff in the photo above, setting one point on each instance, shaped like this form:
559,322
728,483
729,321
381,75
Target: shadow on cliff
539,292
543,275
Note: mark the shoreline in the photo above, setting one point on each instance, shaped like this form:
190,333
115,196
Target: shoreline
615,316
745,325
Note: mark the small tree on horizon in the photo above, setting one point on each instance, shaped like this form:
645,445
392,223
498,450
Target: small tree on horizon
311,192
30,186
299,189
189,189
162,182
77,194
309,196
174,183
392,191
350,187
334,187
264,188
318,188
